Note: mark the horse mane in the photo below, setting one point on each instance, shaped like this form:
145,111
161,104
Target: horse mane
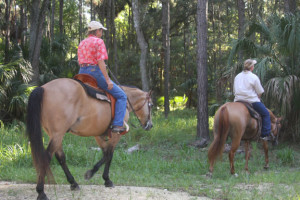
130,86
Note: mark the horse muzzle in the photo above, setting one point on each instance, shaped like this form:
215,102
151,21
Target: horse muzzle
148,125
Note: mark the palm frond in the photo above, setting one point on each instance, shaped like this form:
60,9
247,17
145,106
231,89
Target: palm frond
281,91
263,66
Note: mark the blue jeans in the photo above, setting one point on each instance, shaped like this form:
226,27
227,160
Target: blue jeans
116,91
265,115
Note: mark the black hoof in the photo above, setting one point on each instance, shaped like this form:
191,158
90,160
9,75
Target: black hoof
266,167
42,196
88,175
209,175
75,187
109,184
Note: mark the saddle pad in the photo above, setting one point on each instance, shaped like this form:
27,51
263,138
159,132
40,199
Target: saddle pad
254,115
95,93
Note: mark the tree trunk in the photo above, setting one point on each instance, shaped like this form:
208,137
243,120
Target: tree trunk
80,20
290,6
113,26
92,10
7,29
52,22
37,19
142,44
61,10
241,14
202,107
22,24
166,48
108,26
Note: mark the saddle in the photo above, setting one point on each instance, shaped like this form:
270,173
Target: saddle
254,115
89,83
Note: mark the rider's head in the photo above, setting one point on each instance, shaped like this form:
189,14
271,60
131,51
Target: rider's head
95,28
249,64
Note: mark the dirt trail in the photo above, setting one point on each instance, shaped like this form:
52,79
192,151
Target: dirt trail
14,191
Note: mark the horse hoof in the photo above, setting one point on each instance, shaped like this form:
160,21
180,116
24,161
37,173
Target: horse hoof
42,197
209,175
88,175
75,187
235,175
266,167
109,184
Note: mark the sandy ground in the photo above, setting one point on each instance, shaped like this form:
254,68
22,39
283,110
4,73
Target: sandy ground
14,191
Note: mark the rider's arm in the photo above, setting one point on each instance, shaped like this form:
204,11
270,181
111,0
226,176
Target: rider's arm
102,67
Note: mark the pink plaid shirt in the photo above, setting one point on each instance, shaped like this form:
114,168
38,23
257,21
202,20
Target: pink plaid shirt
90,50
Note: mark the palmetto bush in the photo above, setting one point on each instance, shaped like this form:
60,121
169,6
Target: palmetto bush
275,44
14,89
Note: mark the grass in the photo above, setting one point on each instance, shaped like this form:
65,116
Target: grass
165,160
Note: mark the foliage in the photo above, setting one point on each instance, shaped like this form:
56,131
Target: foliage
14,91
286,156
177,102
54,61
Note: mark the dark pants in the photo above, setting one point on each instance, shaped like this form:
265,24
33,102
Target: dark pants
265,115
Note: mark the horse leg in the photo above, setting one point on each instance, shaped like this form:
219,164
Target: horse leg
211,169
90,173
41,181
108,154
60,156
265,145
247,154
43,172
234,146
108,150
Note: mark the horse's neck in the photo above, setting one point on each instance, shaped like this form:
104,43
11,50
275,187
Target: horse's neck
133,94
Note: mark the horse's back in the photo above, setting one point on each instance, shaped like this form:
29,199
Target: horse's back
66,106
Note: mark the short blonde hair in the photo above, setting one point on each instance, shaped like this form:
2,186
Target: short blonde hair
248,64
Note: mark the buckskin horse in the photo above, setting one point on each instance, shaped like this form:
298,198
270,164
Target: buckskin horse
62,106
233,119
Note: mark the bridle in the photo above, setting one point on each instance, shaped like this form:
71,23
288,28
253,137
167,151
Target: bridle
149,105
277,129
134,111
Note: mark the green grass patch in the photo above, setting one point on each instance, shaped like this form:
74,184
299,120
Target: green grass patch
165,160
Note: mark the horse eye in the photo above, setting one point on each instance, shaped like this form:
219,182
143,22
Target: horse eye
150,105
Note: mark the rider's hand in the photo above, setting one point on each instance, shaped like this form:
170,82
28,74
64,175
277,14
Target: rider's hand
109,84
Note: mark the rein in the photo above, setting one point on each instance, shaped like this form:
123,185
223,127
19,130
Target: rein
134,111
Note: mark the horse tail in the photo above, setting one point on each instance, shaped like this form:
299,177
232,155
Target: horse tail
41,158
216,148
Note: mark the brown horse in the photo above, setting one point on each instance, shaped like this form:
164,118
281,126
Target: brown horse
61,106
234,120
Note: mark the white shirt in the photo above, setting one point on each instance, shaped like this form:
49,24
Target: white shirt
247,87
